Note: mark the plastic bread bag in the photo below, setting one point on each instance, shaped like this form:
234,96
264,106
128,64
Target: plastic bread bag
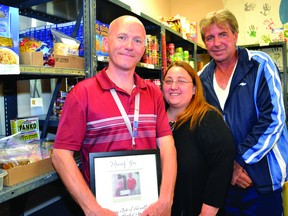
16,152
64,45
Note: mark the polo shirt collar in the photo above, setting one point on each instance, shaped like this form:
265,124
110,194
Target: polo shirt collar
106,83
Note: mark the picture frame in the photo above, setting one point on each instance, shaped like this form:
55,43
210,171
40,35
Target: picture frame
126,182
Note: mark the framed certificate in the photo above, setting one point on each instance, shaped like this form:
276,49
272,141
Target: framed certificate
126,182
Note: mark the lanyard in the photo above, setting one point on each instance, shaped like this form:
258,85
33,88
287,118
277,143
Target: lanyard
133,132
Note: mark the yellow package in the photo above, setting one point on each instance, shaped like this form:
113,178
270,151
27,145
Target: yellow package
64,45
66,49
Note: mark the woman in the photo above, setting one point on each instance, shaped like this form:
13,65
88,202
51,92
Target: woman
205,146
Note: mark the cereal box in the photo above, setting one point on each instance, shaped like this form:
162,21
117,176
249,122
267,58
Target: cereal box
101,32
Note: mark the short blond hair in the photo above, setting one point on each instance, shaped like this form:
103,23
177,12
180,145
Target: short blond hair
223,17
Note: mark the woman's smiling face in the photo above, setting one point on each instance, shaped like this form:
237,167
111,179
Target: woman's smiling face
178,88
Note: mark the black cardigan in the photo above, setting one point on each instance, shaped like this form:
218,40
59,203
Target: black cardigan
205,158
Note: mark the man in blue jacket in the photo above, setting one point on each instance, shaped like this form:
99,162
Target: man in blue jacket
246,87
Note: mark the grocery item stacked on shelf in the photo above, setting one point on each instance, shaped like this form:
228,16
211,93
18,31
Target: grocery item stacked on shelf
63,50
151,55
44,33
24,160
180,24
177,54
23,155
9,40
26,129
33,51
101,32
59,103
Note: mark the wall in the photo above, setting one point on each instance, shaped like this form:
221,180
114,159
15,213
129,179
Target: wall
256,18
151,8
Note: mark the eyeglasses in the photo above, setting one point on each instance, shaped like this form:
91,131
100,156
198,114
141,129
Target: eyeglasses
178,82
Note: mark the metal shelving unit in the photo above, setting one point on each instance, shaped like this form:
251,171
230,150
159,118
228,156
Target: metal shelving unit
172,36
33,72
38,10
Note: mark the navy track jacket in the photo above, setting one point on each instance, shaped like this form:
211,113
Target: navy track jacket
255,113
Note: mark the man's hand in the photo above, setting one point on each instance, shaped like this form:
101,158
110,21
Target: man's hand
104,212
240,177
158,209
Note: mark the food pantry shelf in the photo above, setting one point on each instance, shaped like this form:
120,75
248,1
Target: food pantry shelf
8,193
36,70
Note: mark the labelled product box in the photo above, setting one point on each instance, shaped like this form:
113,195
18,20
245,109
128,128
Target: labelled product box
28,128
9,40
36,59
101,32
69,62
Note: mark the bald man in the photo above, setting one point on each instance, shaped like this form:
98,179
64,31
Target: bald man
91,120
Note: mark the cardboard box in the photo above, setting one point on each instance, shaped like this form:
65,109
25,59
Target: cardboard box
22,173
32,58
36,59
69,62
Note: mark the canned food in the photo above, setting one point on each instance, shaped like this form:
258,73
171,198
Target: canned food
171,48
179,50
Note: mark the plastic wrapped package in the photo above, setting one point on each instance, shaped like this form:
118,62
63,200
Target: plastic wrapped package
15,152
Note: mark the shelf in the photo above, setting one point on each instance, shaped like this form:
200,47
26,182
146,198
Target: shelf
52,122
47,10
36,72
266,45
179,41
8,193
11,192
